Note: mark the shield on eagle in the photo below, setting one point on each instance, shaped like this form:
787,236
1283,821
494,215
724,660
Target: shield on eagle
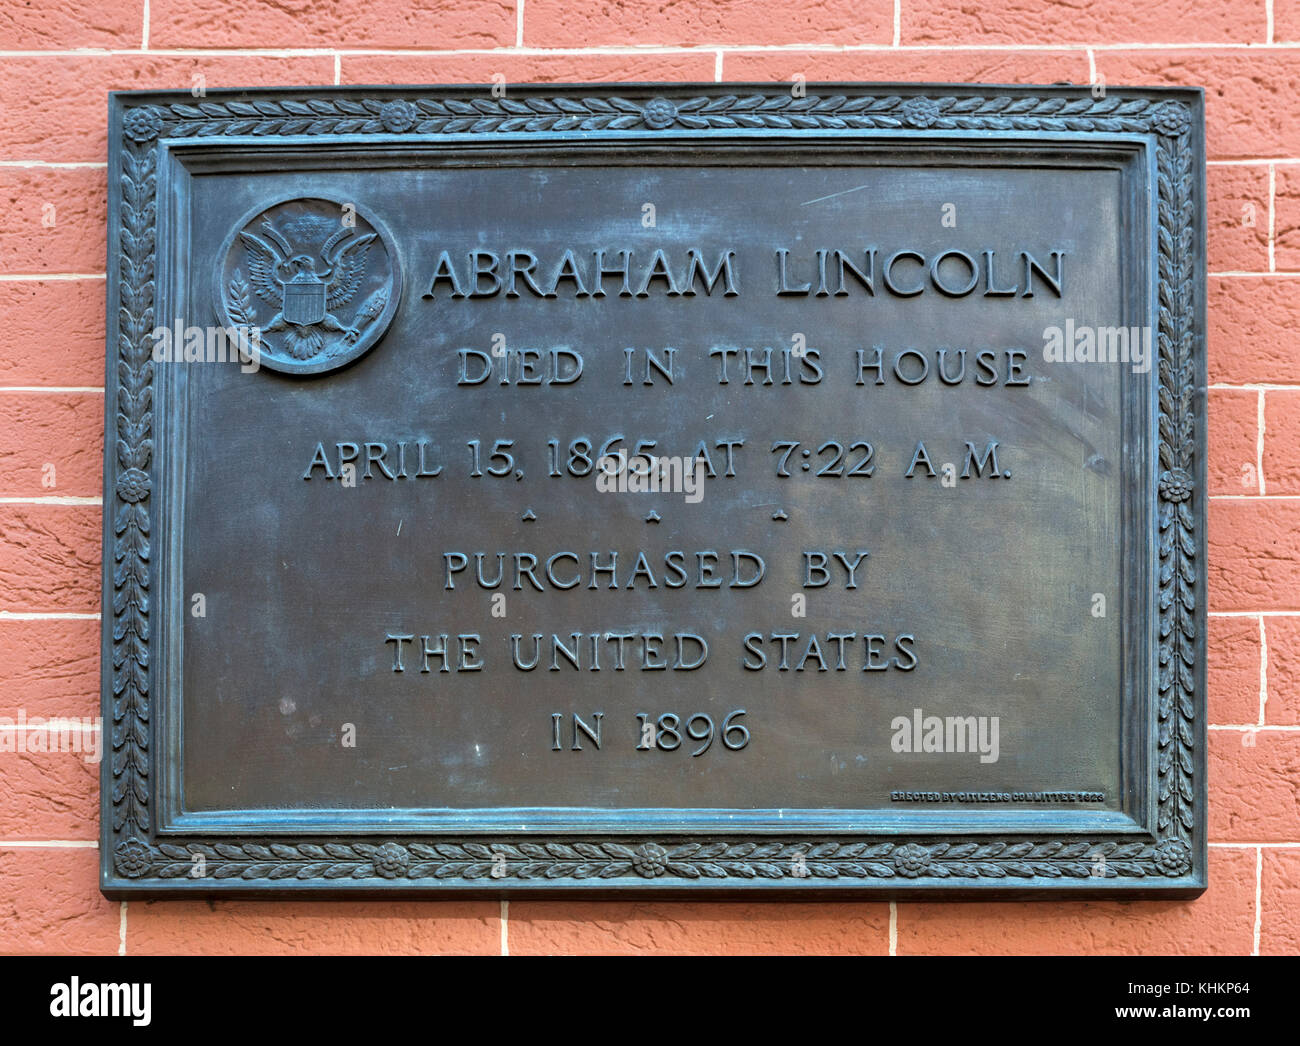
304,300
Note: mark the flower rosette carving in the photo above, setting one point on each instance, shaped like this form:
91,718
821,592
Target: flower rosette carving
132,485
1176,485
142,124
920,112
1173,858
650,860
133,858
398,116
391,860
911,860
1171,118
659,113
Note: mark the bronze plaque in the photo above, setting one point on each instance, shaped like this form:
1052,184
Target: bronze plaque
656,488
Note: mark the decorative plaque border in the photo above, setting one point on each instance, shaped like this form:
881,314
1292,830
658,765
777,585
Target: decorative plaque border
1168,861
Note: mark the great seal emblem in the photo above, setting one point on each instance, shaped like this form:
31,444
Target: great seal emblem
318,279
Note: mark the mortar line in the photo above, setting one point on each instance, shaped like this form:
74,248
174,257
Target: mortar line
58,724
1253,613
121,929
505,914
52,164
1272,216
1259,896
893,927
1259,442
52,500
1281,728
1242,272
1263,670
1255,497
36,277
46,615
506,50
1254,385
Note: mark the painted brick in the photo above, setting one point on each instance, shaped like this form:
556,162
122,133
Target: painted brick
1282,634
1237,218
639,928
446,24
1286,21
1233,437
991,66
50,903
49,558
526,68
1234,663
55,107
559,23
1256,775
51,444
1254,330
54,332
1282,441
1286,218
51,667
56,220
1254,550
1219,922
314,927
1097,22
1279,924
1248,93
27,26
49,795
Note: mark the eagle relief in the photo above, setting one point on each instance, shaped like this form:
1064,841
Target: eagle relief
319,280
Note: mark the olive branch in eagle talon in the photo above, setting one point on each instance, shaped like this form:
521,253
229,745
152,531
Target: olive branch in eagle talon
291,282
239,302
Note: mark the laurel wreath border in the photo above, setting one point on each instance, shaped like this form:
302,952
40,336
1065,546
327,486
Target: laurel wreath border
136,857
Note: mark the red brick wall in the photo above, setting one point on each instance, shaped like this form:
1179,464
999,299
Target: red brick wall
57,59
